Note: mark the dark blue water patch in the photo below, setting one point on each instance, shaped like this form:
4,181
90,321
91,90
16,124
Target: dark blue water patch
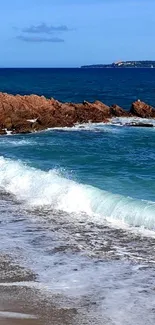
121,86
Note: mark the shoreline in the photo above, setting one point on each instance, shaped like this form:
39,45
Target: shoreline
21,303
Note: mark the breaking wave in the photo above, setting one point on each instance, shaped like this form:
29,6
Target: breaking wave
37,188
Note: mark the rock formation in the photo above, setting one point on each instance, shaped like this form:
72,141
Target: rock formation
117,111
141,109
25,114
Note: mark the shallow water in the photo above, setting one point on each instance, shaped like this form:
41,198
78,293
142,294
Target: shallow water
91,246
77,209
104,272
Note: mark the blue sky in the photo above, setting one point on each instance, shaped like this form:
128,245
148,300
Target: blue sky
68,33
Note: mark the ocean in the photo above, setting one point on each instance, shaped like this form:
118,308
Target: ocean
77,205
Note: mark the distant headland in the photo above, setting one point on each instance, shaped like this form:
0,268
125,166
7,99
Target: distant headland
122,64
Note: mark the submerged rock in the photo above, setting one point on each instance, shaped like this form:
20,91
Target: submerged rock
140,124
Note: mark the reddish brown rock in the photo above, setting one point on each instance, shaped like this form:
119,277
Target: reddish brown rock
24,114
3,132
21,126
117,111
142,109
92,112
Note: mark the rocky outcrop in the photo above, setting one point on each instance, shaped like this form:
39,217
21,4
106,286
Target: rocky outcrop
117,111
24,114
141,109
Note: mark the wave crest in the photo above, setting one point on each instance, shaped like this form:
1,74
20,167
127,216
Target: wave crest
40,188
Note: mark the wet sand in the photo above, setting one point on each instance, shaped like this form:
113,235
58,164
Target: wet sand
82,274
21,304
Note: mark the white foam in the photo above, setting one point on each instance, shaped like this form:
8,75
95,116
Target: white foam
94,127
38,188
8,132
106,127
121,121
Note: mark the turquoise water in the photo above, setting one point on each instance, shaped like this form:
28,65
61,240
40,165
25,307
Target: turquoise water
77,205
116,161
113,160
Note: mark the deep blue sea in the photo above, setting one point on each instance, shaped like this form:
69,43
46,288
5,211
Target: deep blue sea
84,194
121,86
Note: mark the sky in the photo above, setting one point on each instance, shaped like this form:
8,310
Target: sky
71,33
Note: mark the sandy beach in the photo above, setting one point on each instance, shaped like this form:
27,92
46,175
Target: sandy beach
22,305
